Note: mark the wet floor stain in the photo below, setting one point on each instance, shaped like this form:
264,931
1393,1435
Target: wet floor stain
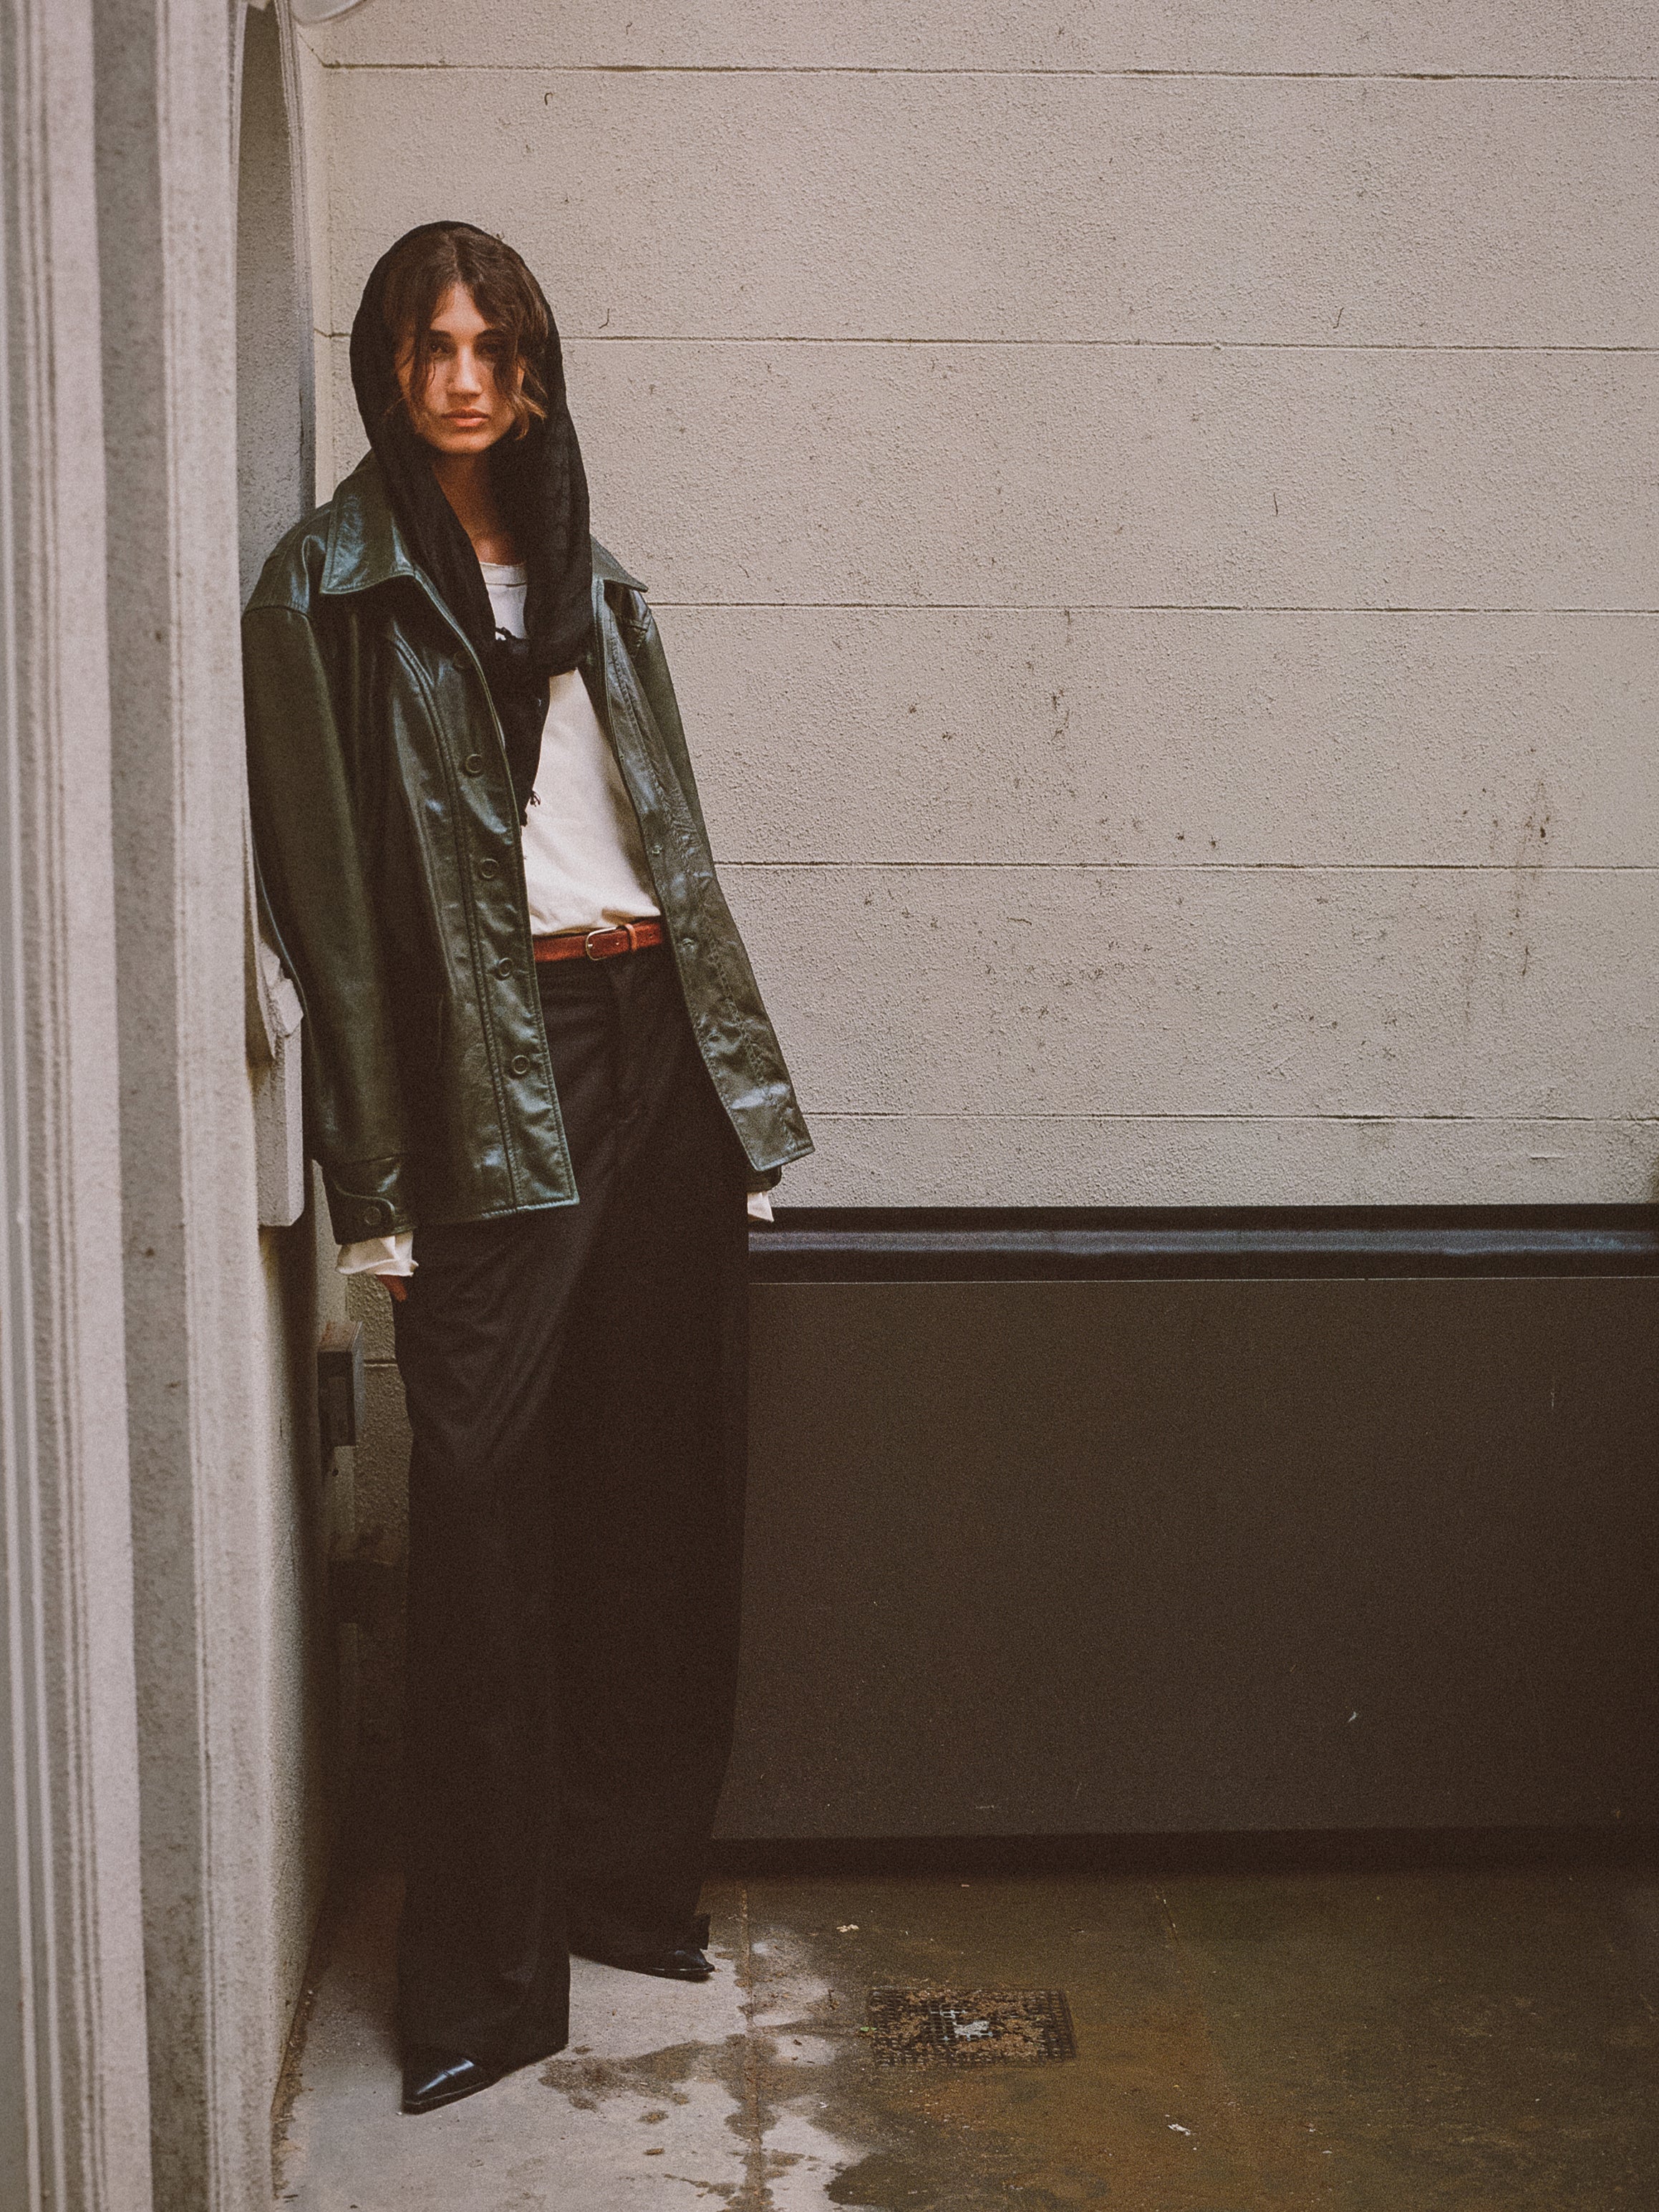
587,2082
1417,2042
885,2183
1365,2044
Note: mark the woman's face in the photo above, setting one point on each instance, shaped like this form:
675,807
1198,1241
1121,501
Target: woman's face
463,409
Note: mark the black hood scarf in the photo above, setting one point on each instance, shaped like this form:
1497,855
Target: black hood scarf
542,489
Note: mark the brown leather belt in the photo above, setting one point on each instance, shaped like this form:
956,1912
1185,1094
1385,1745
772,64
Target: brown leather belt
600,943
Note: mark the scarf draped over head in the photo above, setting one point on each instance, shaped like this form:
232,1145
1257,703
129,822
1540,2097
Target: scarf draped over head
542,490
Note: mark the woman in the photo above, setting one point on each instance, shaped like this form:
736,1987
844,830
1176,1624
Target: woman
539,1082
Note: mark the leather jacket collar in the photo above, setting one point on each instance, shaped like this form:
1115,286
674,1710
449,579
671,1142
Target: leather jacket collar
366,547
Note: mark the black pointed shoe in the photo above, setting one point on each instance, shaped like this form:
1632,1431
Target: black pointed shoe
432,2078
686,1962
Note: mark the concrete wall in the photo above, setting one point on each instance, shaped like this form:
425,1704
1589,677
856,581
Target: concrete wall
161,1824
1152,511
276,485
74,2093
199,1417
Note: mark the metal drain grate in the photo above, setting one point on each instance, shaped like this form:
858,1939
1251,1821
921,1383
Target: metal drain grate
970,2027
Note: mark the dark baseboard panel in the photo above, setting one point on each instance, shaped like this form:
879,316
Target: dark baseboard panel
1297,1852
883,1244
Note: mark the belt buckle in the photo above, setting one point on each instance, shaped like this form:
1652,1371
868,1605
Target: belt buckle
611,929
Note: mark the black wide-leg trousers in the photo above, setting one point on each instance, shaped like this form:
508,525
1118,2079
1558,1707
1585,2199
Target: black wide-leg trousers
575,1386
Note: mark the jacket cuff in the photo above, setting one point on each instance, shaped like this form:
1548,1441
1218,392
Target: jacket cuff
366,1199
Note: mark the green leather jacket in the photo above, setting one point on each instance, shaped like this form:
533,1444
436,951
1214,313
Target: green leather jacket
387,843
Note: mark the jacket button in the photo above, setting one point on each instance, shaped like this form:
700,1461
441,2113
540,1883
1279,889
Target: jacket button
473,764
503,967
520,1065
372,1217
489,867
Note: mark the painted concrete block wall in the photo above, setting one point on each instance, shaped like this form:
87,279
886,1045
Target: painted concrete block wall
1153,513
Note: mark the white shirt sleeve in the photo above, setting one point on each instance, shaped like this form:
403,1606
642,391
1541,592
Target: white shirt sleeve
378,1255
760,1205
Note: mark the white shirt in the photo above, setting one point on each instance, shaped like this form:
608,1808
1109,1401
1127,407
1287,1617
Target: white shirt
584,862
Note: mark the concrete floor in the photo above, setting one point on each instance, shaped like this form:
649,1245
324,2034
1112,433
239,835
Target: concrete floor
1398,2042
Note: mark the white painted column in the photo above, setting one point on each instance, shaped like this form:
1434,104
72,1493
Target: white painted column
74,2105
198,1409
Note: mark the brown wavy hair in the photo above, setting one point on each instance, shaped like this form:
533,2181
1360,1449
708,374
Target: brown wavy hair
426,269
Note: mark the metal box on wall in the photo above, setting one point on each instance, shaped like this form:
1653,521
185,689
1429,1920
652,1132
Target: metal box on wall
1360,1549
